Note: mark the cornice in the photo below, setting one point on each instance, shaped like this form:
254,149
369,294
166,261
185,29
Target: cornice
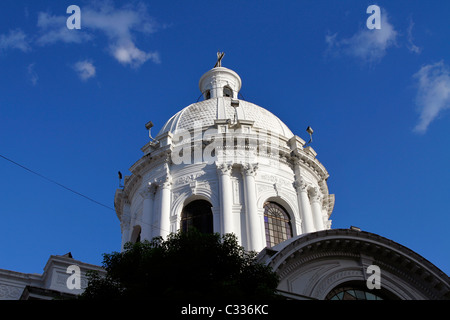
392,256
147,162
310,162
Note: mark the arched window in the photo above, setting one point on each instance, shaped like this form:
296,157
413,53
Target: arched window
277,224
357,290
227,92
208,95
197,214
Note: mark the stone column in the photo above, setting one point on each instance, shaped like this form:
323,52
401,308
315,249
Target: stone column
302,197
316,205
226,199
148,194
304,205
164,221
254,222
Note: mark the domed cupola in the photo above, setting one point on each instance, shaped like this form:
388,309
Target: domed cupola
220,88
220,82
225,165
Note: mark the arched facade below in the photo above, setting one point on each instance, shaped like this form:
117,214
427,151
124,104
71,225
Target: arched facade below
322,264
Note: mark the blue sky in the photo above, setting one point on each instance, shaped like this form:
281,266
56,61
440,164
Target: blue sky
74,104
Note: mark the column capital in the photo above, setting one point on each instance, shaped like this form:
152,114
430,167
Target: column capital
224,168
301,185
316,195
163,182
147,191
249,169
166,184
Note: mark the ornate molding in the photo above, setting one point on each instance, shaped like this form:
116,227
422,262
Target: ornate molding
395,259
178,194
340,276
188,179
262,187
235,185
303,159
329,204
10,292
276,181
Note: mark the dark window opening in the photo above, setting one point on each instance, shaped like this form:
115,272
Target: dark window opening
357,290
197,214
227,92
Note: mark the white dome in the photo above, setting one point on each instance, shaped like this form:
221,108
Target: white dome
220,87
259,163
209,110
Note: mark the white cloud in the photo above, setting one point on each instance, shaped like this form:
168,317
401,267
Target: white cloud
365,45
433,94
85,69
15,39
120,27
54,29
411,46
32,75
127,53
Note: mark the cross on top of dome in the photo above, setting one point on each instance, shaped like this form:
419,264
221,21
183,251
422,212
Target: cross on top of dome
220,56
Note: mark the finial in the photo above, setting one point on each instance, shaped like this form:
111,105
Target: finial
220,56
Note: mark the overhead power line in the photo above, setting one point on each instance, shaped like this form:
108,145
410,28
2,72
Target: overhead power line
67,188
55,182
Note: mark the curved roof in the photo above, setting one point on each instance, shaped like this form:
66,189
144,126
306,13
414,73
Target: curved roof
408,266
207,111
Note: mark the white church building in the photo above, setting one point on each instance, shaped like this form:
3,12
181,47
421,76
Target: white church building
227,165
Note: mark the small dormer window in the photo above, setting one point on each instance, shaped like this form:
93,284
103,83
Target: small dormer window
227,92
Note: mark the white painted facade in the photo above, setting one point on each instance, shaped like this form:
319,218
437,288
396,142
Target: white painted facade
51,284
316,265
262,160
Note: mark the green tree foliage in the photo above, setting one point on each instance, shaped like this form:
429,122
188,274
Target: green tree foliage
188,265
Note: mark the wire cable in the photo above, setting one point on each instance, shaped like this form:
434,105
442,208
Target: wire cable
57,183
67,188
